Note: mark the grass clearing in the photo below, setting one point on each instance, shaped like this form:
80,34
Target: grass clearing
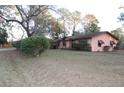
62,68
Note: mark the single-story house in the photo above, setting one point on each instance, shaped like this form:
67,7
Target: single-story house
98,41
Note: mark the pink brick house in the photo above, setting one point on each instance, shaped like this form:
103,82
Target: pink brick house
99,41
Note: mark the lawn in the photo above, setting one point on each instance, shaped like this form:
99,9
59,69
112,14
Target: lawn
62,68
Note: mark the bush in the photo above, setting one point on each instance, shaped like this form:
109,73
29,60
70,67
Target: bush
17,44
33,45
120,45
83,45
53,44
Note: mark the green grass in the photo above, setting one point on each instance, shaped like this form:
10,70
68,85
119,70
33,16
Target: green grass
62,68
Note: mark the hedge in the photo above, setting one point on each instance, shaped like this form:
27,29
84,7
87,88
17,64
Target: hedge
32,45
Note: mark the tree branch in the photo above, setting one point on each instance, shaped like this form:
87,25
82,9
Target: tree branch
38,11
19,12
14,20
10,20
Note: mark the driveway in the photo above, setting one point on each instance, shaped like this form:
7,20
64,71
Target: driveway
7,49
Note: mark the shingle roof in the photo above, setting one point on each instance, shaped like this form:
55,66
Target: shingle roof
88,36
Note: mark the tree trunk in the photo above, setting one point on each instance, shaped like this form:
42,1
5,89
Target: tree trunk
28,32
73,30
29,35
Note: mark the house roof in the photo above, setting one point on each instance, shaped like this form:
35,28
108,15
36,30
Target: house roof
88,36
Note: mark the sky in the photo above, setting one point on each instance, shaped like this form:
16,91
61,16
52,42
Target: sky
106,11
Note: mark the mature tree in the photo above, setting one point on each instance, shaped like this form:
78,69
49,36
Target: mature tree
75,19
47,24
23,15
43,23
65,18
90,24
91,28
69,19
118,32
121,17
57,29
3,36
120,35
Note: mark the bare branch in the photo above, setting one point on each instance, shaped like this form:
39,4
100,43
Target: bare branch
10,20
38,11
14,20
19,12
32,11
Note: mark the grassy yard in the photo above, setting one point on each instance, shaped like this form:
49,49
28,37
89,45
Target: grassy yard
62,68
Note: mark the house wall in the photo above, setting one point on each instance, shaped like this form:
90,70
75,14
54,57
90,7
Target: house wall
76,41
68,44
60,44
89,41
106,38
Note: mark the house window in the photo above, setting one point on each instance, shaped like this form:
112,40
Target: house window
100,42
112,43
80,41
75,41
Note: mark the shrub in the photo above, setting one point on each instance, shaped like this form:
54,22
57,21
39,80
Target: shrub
120,45
17,44
33,45
53,44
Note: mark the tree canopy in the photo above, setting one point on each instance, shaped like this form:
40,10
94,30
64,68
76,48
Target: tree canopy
23,15
37,20
75,20
69,19
118,32
90,23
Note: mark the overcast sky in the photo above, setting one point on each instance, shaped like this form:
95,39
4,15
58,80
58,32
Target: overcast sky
106,11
